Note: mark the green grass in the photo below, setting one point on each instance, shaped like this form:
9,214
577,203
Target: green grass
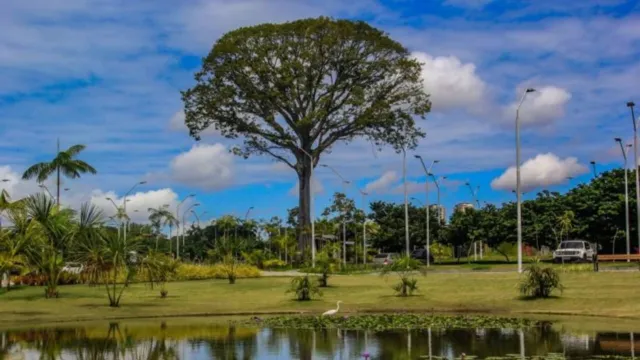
586,293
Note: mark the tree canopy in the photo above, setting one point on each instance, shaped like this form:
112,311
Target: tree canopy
297,88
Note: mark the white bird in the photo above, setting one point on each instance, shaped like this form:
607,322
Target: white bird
333,312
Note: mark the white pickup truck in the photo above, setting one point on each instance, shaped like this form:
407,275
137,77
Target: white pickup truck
574,250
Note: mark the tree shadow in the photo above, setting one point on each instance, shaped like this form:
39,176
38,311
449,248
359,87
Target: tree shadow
534,298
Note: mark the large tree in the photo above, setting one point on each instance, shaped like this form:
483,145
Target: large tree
287,90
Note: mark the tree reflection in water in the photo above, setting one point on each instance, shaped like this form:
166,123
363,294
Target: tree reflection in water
162,342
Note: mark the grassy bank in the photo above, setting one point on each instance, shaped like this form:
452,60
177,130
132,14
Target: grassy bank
591,294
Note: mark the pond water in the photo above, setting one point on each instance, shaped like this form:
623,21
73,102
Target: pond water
180,340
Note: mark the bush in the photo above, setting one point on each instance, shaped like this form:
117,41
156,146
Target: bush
539,281
274,264
404,267
304,288
217,271
406,286
507,249
440,251
255,258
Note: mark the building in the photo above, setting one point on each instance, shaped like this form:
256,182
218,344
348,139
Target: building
463,206
440,212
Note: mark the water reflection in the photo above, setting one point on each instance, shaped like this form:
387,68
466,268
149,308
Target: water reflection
164,341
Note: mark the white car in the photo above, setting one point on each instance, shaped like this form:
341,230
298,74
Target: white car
574,250
73,268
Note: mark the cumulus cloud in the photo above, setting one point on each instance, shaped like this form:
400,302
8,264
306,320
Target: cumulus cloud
176,123
205,166
137,203
318,188
450,83
540,171
540,107
413,187
382,183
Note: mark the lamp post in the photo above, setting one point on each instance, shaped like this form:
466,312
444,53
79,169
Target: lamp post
437,181
626,194
427,171
594,169
344,213
178,220
630,105
406,201
518,190
45,188
198,217
183,222
311,202
474,193
364,226
124,200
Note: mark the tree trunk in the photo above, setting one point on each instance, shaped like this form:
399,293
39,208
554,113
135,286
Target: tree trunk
304,205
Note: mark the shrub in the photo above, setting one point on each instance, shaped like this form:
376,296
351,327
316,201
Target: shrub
326,265
577,268
539,282
304,288
274,264
440,251
255,258
507,249
404,267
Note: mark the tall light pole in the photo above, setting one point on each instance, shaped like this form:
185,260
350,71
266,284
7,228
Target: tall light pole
474,194
311,203
593,168
518,190
630,105
437,181
427,171
626,194
45,188
344,213
406,200
183,231
124,200
178,220
197,217
364,226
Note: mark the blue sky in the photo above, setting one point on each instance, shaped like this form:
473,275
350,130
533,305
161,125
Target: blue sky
108,74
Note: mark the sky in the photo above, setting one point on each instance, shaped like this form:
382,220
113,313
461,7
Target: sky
108,74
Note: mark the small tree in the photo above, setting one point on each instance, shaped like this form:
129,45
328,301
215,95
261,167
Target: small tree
326,264
158,269
304,287
405,267
539,282
230,267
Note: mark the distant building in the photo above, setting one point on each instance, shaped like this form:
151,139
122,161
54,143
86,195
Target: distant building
440,211
463,206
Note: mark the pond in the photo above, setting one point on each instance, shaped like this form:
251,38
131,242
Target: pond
180,339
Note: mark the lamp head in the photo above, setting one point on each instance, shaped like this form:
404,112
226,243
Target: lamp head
191,195
631,104
618,140
530,90
196,204
417,156
436,161
5,180
108,198
66,189
324,165
142,182
592,162
42,186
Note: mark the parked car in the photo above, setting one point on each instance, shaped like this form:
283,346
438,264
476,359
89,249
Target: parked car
421,254
384,258
574,250
73,268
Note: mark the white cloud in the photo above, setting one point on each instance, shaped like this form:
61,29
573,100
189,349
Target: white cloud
137,203
413,187
208,167
543,170
540,107
176,123
450,83
381,184
318,188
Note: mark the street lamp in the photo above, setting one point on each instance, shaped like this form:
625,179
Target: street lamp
427,171
626,194
518,191
311,201
364,226
178,217
124,200
45,188
344,213
474,193
198,217
183,222
630,105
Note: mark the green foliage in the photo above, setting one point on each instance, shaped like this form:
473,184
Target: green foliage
255,258
304,287
158,269
507,249
326,264
440,251
381,322
274,264
405,267
539,282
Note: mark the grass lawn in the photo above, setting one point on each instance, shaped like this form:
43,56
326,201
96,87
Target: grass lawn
593,294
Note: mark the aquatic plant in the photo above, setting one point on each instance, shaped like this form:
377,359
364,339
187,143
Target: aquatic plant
379,322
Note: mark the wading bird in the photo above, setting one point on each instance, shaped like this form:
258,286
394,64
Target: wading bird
333,312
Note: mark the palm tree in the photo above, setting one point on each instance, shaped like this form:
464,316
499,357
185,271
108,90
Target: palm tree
162,217
64,163
15,240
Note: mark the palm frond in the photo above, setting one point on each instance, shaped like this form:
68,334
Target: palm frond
41,171
75,150
84,167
